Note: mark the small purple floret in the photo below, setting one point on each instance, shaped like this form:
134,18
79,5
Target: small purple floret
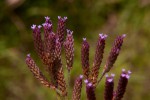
59,17
39,26
47,18
84,39
28,55
33,26
106,75
90,84
127,76
69,32
113,75
65,18
129,72
110,79
124,35
81,76
86,81
103,36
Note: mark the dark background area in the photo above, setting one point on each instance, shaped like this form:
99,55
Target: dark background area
87,18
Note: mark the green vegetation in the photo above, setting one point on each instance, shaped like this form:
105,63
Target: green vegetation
87,18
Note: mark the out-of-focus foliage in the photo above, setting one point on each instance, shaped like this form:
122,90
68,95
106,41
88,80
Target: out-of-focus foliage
87,18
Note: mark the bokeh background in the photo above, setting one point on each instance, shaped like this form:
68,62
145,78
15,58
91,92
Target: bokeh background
87,18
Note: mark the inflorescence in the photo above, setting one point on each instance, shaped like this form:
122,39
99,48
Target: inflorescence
49,51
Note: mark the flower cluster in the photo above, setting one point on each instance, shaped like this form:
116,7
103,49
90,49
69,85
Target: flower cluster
49,49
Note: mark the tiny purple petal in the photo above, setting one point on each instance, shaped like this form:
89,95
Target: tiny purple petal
127,76
86,81
69,32
47,18
49,25
110,80
33,26
103,36
28,55
123,75
123,70
39,26
44,24
124,35
65,18
84,39
59,17
129,72
113,75
89,84
106,75
81,76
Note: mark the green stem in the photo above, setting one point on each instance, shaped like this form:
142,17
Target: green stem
104,72
58,96
69,88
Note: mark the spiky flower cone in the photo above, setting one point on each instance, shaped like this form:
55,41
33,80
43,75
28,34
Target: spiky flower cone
85,58
49,46
56,63
77,88
49,50
49,41
90,91
37,73
61,81
114,53
98,58
38,43
58,70
109,86
69,49
61,28
122,84
47,27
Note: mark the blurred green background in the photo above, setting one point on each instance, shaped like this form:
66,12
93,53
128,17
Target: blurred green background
87,18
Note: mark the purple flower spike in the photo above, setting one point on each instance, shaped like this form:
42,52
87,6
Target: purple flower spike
85,58
77,88
122,84
98,58
90,92
37,73
38,43
114,53
109,86
61,28
69,49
